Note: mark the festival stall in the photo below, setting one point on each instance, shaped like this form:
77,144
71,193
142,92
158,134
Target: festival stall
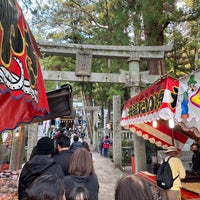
151,115
189,191
187,116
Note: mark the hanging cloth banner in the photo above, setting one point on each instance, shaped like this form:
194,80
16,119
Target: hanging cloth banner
156,102
187,113
22,92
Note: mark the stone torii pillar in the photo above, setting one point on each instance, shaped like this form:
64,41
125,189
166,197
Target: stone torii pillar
32,138
95,135
117,153
17,148
139,143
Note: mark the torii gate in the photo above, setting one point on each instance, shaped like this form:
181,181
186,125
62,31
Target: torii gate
84,54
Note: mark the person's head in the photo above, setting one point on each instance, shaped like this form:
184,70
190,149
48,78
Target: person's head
171,151
62,141
106,137
195,147
46,187
79,193
45,146
132,187
81,163
86,146
75,138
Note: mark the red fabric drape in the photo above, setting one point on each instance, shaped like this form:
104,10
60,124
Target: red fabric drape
22,92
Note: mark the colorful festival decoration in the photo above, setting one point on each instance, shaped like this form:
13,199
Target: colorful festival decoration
156,103
22,92
187,113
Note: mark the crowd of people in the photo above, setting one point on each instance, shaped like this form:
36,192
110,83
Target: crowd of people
60,169
69,163
63,173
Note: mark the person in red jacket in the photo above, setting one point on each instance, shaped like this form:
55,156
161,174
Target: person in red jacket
4,166
106,145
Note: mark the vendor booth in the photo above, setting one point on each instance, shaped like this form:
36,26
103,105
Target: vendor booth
149,113
153,115
189,190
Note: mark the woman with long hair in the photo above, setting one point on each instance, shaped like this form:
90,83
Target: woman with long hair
81,173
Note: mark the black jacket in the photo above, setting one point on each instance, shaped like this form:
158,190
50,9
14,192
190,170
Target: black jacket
39,165
75,145
196,162
89,182
63,158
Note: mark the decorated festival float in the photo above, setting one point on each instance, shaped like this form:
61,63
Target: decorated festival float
167,113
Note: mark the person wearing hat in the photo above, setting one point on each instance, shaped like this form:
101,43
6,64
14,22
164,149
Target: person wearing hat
177,170
40,164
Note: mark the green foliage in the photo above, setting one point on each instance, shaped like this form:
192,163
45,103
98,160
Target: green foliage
58,63
116,90
118,22
127,143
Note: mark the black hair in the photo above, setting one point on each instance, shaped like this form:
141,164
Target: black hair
78,192
63,140
196,144
75,138
45,187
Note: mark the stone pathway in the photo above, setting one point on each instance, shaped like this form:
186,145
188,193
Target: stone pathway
107,174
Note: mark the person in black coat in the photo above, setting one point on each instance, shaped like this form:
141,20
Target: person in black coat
76,143
64,154
195,157
81,174
40,164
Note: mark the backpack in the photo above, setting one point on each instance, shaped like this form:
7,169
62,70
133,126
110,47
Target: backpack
106,144
164,177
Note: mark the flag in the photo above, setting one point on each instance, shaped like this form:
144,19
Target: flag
22,92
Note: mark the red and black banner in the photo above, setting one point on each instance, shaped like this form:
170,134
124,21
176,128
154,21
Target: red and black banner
156,102
22,92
